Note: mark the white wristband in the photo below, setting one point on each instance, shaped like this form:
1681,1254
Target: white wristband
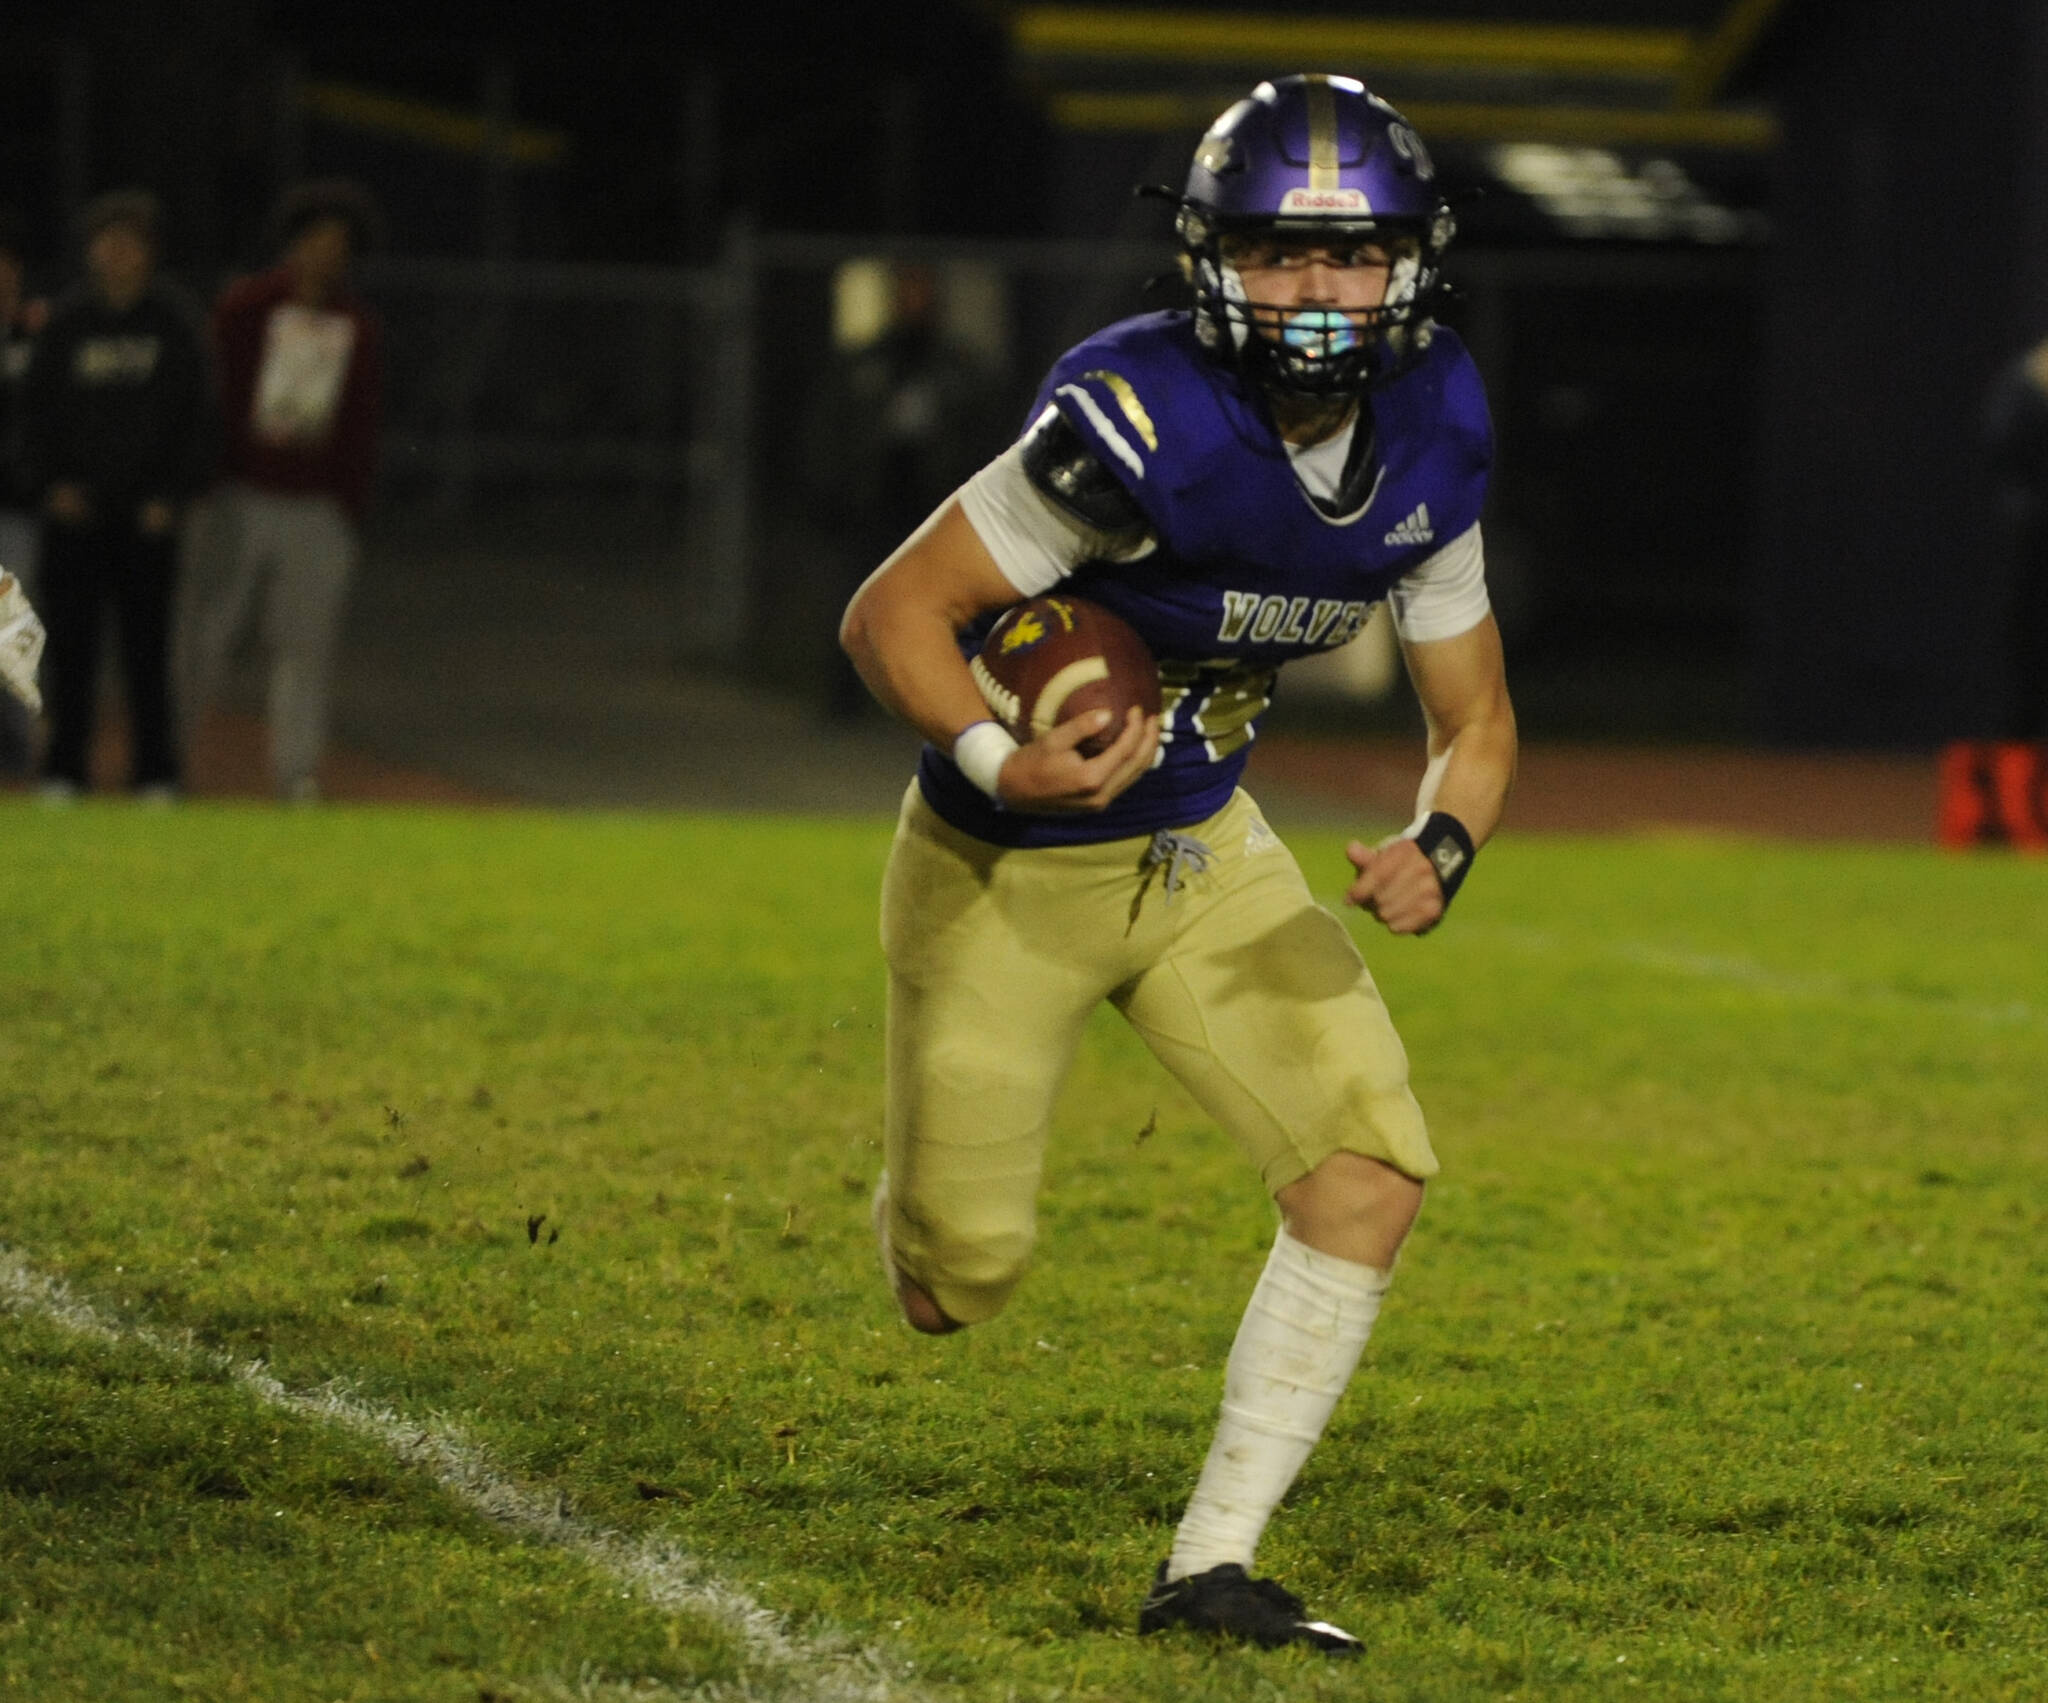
980,753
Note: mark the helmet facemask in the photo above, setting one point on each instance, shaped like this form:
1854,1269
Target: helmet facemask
1311,348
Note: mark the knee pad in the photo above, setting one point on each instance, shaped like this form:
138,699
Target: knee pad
969,1258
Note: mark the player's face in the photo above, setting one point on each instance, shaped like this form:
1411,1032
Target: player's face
1317,293
1312,271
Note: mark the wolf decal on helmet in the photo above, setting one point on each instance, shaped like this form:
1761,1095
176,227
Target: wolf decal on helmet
1323,158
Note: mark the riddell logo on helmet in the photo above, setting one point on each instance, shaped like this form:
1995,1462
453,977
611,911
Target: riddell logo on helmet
1324,201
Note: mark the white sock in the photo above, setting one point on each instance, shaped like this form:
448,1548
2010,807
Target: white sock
1303,1331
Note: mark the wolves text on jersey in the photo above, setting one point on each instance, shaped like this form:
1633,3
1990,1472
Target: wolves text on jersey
1326,621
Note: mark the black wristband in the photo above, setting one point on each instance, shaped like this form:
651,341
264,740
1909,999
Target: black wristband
1449,848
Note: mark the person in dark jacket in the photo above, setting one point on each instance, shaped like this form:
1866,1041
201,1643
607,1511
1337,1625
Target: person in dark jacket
21,317
896,426
117,438
2016,427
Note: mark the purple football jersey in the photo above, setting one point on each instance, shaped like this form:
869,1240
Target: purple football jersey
1249,572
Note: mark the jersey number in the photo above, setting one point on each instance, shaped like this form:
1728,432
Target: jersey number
1221,699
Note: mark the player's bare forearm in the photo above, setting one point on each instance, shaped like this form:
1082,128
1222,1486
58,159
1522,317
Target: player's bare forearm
899,629
1463,688
1462,685
1470,773
899,632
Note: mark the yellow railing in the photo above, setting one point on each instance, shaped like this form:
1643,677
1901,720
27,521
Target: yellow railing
1198,38
1682,72
437,126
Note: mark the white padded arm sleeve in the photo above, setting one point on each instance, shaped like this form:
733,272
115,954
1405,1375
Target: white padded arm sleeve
1033,540
1444,595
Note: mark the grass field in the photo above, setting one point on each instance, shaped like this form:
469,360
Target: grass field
1713,1371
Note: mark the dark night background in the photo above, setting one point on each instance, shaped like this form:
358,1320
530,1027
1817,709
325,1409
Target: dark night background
1741,488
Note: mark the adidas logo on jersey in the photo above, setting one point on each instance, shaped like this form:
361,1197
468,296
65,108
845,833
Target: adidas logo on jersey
1415,529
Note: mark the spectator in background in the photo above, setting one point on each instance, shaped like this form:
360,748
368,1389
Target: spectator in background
20,319
301,378
2017,428
897,426
117,438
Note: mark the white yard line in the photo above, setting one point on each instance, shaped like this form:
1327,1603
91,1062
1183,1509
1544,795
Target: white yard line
802,1669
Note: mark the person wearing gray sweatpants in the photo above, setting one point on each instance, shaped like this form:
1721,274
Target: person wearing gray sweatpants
299,356
291,556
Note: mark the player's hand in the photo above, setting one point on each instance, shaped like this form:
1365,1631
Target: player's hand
67,503
21,643
157,518
1049,776
1397,884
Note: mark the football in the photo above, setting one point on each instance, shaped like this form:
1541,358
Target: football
1053,658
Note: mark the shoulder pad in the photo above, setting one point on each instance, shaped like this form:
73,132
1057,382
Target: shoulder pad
1065,468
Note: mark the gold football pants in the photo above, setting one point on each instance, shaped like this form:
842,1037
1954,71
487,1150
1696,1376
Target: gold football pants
1243,986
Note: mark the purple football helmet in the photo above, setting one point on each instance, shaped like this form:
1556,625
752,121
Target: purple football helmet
1323,157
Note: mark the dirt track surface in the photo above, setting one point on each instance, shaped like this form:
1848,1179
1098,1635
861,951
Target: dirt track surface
1370,782
482,678
1598,789
227,761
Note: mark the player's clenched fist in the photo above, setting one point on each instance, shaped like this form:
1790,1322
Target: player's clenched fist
1397,884
1408,882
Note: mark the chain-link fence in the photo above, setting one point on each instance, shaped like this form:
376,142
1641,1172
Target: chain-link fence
672,415
574,407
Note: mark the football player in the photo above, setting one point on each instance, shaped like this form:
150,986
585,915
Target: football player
1243,483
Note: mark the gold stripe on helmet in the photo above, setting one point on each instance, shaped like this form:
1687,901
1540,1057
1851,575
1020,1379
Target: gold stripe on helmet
1322,133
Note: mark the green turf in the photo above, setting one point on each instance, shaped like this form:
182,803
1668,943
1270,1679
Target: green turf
1712,1372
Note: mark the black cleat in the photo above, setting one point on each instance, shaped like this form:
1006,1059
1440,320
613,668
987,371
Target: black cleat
1229,1601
